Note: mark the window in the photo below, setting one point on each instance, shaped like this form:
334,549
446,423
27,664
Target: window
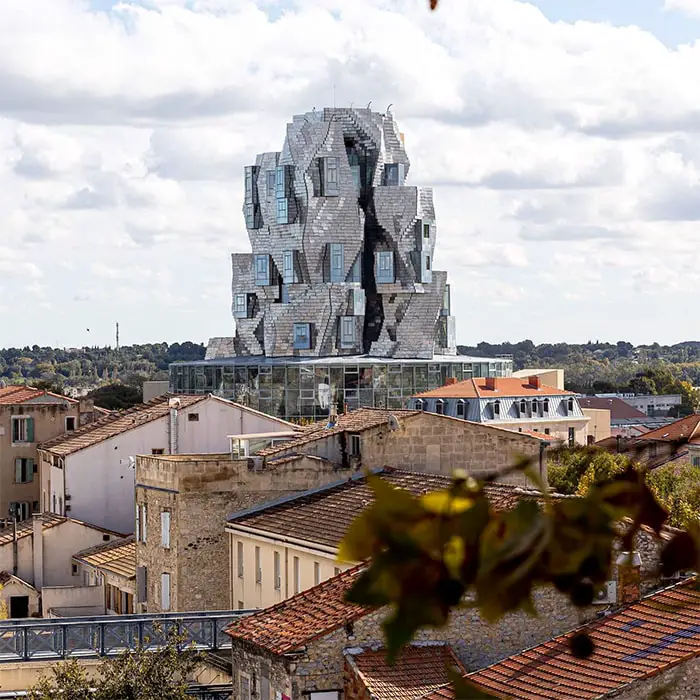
523,407
302,336
74,570
439,407
141,581
24,470
392,174
384,267
695,461
426,230
460,408
239,559
284,294
20,509
535,407
278,573
445,311
22,429
270,183
337,254
70,424
348,327
280,183
258,567
330,177
35,506
144,522
282,211
297,575
245,687
165,529
571,405
545,407
251,172
165,591
288,276
240,305
572,437
249,213
496,409
546,431
425,274
317,573
262,269
193,417
354,445
157,451
419,404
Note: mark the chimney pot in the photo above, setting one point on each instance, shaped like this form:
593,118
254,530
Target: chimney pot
491,383
534,381
450,380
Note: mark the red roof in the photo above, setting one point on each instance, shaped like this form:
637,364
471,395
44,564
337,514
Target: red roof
418,670
682,429
638,642
19,393
295,622
503,386
619,409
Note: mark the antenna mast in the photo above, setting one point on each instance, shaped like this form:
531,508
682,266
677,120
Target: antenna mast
117,336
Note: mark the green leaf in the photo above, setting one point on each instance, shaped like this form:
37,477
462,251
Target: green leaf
464,690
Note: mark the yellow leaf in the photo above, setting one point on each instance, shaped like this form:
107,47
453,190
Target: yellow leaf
454,555
445,503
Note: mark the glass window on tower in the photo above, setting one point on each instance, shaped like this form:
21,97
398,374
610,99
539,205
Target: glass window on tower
240,305
302,336
262,269
337,254
384,267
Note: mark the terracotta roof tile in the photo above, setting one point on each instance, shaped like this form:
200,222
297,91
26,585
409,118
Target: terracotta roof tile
354,422
637,642
504,386
418,670
683,429
116,423
19,393
298,620
323,515
118,557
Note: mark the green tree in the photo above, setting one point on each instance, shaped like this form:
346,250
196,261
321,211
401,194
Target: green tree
116,396
571,471
143,674
677,488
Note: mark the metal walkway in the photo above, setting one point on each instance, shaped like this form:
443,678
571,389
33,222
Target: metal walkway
54,639
198,692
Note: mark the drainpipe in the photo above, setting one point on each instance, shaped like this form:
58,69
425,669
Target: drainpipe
38,551
173,431
14,543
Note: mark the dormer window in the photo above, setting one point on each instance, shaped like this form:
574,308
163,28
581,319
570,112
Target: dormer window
496,409
439,407
523,407
571,405
262,270
545,405
302,336
384,267
393,174
535,407
460,408
240,305
419,404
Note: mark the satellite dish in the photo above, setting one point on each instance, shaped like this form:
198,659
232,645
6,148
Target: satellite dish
393,423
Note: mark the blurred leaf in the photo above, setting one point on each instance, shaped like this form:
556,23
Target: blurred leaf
464,690
581,645
445,503
680,553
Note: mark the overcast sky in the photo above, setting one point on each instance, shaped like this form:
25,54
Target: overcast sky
562,138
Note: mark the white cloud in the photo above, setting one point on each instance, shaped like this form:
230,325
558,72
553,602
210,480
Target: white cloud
564,156
690,7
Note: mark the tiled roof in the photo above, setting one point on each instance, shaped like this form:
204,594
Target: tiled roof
682,429
323,515
302,618
638,642
116,423
418,670
19,393
354,422
117,557
25,528
504,386
619,409
539,436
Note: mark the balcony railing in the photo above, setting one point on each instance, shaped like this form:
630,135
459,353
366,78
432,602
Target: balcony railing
108,635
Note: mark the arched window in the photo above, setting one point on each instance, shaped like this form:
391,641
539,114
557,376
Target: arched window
496,409
523,407
460,408
419,404
535,407
571,405
545,405
439,407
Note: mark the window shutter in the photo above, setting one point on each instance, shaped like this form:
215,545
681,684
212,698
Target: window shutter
30,430
18,470
165,529
165,592
31,469
138,523
141,579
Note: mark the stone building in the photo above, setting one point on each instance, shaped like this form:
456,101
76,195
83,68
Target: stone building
340,278
29,417
300,646
413,440
523,404
182,502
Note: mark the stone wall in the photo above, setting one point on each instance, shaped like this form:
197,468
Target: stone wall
253,662
681,682
201,492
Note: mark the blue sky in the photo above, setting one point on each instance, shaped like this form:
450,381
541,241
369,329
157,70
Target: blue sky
564,155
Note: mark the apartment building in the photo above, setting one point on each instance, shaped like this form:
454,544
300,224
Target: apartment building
89,474
522,404
29,417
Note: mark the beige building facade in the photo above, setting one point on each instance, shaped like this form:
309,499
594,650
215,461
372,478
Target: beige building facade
29,417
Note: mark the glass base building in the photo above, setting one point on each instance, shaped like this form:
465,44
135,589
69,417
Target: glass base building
338,302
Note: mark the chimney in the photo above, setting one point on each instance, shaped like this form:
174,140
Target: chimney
38,551
629,577
534,381
450,381
491,383
174,404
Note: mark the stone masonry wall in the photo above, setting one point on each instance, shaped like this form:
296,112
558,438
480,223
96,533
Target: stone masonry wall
201,492
253,663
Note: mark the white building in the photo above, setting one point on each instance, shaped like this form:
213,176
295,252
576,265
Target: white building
90,473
